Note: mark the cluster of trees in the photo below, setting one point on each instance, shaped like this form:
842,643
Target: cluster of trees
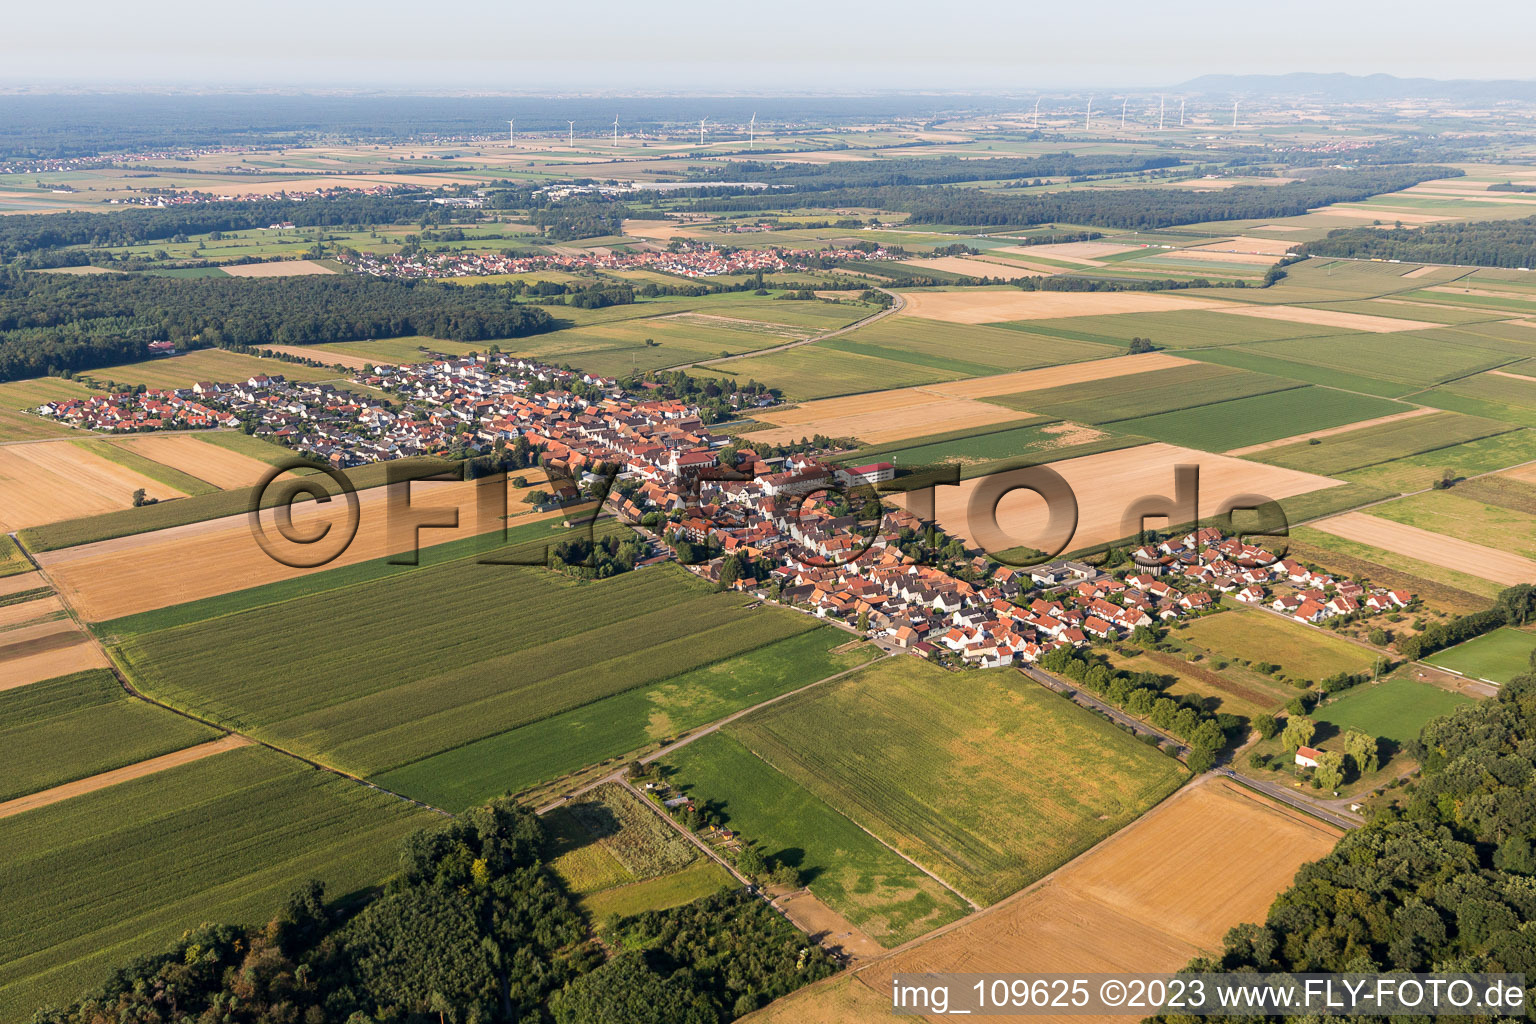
597,559
1131,208
1514,606
1361,754
1446,875
562,220
473,928
600,296
1485,243
711,396
37,232
1141,694
56,324
712,960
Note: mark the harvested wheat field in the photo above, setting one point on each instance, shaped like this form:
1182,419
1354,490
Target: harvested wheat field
322,355
121,775
992,307
662,229
1386,215
21,581
878,417
1145,900
1106,485
1088,254
280,268
976,268
1422,272
127,575
1053,376
27,611
1247,244
826,927
1330,431
1331,318
50,481
43,650
196,457
1435,548
1256,259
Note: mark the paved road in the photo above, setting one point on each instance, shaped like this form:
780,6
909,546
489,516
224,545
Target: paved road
1286,795
897,302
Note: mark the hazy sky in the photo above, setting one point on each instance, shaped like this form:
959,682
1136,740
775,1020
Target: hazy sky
789,46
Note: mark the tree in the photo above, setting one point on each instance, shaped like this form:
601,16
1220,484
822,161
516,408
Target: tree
1362,749
626,989
1329,772
730,572
750,862
1518,603
138,498
1378,636
1298,733
1267,726
863,624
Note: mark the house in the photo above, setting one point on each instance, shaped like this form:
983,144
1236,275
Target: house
1250,595
1307,756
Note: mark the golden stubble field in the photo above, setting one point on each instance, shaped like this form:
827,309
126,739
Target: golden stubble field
195,457
50,481
1435,548
989,307
112,578
1146,900
883,416
1105,486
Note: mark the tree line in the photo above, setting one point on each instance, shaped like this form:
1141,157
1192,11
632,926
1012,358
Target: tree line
920,171
1486,243
1130,208
54,324
473,928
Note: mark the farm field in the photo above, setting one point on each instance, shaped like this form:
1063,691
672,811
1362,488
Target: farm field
1395,709
112,578
409,349
972,349
381,698
950,769
1444,589
80,725
1372,446
1468,459
1375,421
1261,418
94,881
1257,359
19,397
1128,397
876,418
1232,689
1406,358
1338,319
849,870
1176,329
49,481
999,306
1156,894
1498,656
41,645
1301,651
1105,486
12,561
131,459
1451,552
623,722
190,454
211,364
1500,394
1462,515
817,371
1039,442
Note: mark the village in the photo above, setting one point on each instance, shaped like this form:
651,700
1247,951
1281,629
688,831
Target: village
690,259
782,527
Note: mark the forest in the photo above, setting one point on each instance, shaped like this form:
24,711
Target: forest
807,177
1487,243
35,232
473,928
52,324
1134,208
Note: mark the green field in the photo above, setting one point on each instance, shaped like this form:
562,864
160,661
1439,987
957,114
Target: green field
701,878
985,778
1488,394
1301,651
1457,515
1257,360
608,838
1144,394
1395,709
1245,421
1407,357
186,483
969,349
1471,458
19,395
80,725
1040,443
622,723
1371,446
92,882
1173,329
852,872
12,561
210,364
1497,657
485,649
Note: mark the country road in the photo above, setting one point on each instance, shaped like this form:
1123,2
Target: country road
897,302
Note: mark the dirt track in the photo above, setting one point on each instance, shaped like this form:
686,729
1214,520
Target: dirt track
121,775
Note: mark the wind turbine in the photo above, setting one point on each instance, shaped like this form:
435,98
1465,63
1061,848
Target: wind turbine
1160,109
571,139
1088,117
1234,113
752,131
511,132
701,129
1037,114
615,131
1123,102
1181,113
